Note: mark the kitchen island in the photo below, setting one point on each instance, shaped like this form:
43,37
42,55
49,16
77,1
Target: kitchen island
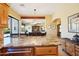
31,46
31,50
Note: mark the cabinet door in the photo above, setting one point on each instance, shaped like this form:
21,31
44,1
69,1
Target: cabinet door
1,38
3,15
70,48
67,47
63,44
46,51
5,18
77,50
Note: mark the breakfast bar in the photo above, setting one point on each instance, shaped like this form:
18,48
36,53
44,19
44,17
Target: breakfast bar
30,50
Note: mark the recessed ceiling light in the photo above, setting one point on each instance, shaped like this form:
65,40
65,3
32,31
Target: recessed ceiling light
34,9
22,5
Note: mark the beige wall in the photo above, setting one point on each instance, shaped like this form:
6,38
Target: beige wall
48,19
13,13
51,33
63,11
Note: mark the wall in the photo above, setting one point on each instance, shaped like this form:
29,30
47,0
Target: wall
48,19
63,11
13,13
51,26
51,33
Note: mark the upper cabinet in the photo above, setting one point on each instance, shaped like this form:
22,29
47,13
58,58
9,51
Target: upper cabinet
3,15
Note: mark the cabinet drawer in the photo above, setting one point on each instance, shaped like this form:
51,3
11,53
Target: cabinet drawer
46,51
76,49
77,46
77,53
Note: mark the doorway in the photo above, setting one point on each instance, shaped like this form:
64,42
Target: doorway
58,30
13,26
57,22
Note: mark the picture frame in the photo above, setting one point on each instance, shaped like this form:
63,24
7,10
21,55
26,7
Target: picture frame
73,23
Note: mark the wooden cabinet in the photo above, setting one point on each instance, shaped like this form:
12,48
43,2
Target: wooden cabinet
1,38
17,51
30,51
69,46
70,49
3,20
40,51
3,15
77,50
63,44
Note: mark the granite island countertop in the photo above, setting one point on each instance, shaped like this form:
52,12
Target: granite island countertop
39,42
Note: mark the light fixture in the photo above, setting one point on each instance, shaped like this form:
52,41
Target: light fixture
22,5
35,11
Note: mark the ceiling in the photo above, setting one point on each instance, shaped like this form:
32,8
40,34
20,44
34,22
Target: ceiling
33,9
41,9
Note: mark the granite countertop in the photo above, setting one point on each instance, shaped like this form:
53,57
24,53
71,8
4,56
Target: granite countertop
33,41
49,43
72,41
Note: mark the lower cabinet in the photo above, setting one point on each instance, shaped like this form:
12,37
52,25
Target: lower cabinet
30,51
17,51
1,38
41,51
77,50
70,48
63,44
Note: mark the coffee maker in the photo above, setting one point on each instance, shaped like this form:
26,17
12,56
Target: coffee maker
76,38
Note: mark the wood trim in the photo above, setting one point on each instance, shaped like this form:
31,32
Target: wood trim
32,17
33,46
5,4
